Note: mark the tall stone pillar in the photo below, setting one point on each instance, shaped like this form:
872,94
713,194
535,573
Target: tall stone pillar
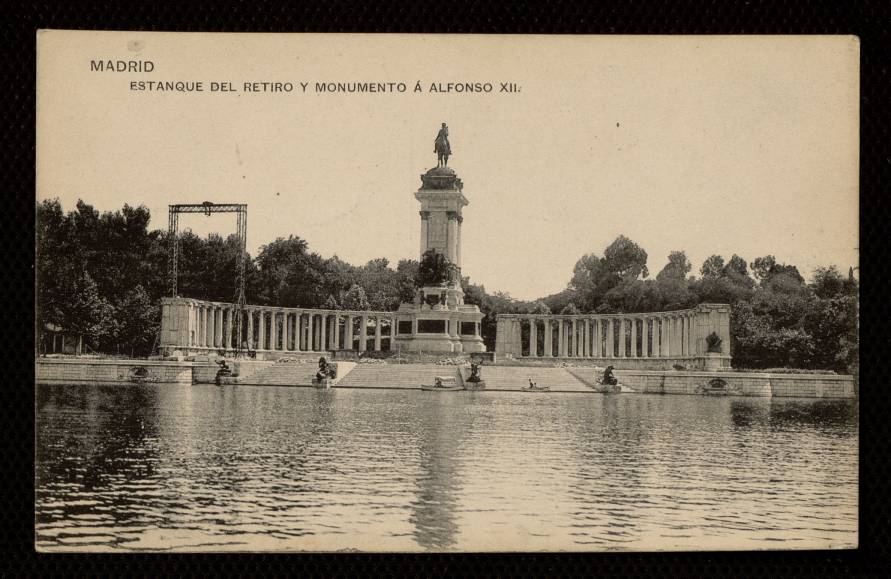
561,338
394,329
597,346
452,237
621,337
348,334
533,338
310,346
250,329
335,332
377,333
644,337
458,243
633,353
548,339
574,349
273,330
323,332
261,330
225,328
363,333
425,222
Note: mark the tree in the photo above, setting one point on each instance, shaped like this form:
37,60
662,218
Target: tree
625,259
761,267
434,269
354,299
678,267
139,318
713,267
827,282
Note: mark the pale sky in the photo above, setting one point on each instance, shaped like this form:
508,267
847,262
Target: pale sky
722,145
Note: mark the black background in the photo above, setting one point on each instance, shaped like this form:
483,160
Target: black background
868,20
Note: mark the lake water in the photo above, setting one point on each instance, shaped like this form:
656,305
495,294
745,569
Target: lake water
165,467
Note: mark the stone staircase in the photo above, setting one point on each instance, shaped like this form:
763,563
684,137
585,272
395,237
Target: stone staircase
395,375
517,378
282,374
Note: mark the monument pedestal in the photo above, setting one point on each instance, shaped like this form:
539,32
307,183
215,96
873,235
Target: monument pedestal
439,321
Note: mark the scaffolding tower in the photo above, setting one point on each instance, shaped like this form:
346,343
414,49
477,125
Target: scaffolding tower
207,208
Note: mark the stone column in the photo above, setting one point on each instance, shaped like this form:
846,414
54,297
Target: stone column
458,242
348,334
533,338
561,338
250,329
208,328
394,328
363,332
621,337
452,236
633,352
596,346
644,337
323,332
225,326
310,346
261,330
377,333
548,339
273,330
425,215
335,331
574,348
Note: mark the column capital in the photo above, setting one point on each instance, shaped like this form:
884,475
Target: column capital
424,215
452,215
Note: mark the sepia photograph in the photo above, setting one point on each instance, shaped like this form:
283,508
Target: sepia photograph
446,292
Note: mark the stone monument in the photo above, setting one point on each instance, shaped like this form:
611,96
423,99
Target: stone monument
438,320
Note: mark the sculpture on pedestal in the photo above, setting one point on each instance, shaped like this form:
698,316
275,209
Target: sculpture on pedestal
441,146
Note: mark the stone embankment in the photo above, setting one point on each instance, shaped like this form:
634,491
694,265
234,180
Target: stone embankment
411,376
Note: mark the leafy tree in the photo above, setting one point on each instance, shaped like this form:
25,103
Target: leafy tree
678,267
139,322
355,298
433,269
625,259
713,267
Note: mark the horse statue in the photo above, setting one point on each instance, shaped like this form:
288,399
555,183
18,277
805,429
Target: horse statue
441,146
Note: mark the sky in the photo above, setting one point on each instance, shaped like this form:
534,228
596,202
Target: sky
711,145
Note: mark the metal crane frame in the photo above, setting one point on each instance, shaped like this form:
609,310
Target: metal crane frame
207,208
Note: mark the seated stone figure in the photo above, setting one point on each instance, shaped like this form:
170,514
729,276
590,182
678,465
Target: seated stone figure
325,370
608,378
474,373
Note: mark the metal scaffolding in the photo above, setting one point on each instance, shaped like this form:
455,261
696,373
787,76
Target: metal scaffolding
173,235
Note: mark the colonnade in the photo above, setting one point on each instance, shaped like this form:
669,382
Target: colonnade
676,334
213,326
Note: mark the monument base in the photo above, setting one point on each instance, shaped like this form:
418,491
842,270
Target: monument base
439,321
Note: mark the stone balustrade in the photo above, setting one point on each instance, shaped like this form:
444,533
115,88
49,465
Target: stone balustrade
191,326
651,340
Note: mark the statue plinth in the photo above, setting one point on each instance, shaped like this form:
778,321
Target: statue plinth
441,178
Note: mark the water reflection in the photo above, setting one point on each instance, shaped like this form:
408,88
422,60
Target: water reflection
433,509
152,467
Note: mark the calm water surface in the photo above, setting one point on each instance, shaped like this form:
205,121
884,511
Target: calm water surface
241,468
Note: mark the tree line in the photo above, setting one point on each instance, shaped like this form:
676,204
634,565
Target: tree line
101,275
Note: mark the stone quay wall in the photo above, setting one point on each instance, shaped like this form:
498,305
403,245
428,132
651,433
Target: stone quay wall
92,371
652,340
747,383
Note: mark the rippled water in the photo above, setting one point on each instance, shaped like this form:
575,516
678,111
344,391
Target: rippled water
245,468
